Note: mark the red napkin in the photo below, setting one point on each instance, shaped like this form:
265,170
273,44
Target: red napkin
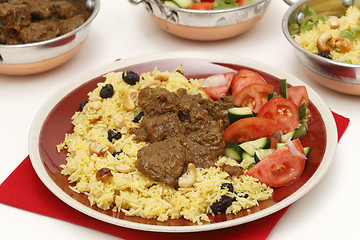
23,189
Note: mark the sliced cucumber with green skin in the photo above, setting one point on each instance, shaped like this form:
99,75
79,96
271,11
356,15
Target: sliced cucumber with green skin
248,159
247,156
237,113
234,151
301,130
171,4
260,143
271,95
264,153
302,111
184,3
287,136
279,145
307,151
283,88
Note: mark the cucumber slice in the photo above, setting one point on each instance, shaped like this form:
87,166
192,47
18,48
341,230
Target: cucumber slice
271,95
283,88
260,143
237,113
247,160
279,145
234,151
263,154
286,136
301,130
302,112
184,3
307,151
171,4
247,156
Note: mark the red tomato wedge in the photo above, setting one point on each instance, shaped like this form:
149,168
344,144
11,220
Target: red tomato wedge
202,6
283,112
253,96
248,129
273,143
243,78
241,2
282,166
218,85
298,95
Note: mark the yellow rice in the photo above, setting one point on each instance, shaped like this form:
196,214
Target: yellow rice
350,20
133,193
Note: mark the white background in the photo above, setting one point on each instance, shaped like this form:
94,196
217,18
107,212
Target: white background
123,30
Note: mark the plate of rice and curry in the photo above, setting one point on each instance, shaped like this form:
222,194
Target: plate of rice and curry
182,141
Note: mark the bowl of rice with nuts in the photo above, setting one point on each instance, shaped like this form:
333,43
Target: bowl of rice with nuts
141,145
326,41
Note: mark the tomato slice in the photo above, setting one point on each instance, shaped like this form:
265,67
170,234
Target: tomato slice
253,96
248,129
218,85
243,78
298,95
241,2
202,6
280,167
273,143
283,111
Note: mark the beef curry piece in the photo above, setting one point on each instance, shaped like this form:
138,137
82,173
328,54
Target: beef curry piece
28,21
181,129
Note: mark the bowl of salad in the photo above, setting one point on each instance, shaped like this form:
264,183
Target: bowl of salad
205,20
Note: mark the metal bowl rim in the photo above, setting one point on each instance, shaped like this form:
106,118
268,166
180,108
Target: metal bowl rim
288,36
64,36
208,12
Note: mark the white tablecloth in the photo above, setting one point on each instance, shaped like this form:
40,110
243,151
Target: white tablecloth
123,30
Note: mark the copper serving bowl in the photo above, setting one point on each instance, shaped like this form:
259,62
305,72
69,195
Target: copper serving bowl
31,58
338,76
205,25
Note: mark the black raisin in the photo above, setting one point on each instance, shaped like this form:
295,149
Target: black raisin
138,117
107,91
325,55
222,204
229,186
130,77
82,104
117,153
112,134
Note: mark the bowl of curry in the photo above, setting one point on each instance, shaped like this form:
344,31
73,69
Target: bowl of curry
36,36
56,119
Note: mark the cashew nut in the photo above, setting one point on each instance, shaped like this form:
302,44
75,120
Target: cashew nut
92,106
123,168
123,122
188,178
99,149
322,40
161,77
129,99
150,83
334,22
343,44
